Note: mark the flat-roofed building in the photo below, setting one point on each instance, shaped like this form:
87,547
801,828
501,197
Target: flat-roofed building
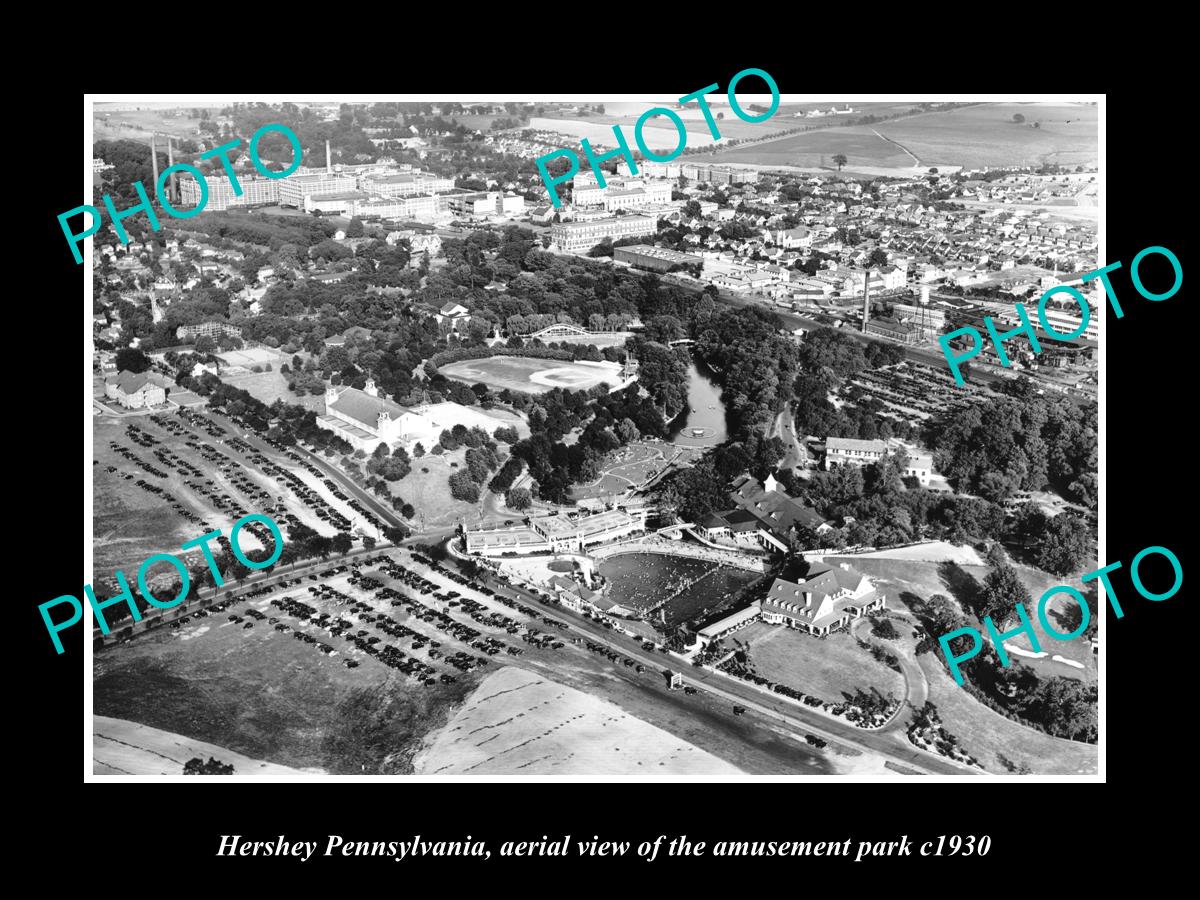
405,184
728,625
255,192
335,204
567,534
517,539
294,188
556,534
853,452
422,208
577,237
658,259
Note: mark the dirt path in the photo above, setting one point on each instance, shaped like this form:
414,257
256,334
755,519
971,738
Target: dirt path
915,159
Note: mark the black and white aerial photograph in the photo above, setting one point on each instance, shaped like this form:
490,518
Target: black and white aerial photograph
454,436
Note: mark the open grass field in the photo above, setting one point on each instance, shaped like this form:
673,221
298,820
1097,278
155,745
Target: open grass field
830,668
533,376
271,386
519,722
127,748
128,524
137,124
983,732
429,492
987,735
263,694
818,147
900,577
971,137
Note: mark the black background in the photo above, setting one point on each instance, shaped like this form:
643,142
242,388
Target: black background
1065,830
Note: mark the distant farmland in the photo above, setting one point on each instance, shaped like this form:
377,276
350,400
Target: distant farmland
972,137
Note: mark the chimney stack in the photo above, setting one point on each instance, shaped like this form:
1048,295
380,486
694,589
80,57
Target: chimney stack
866,300
173,189
328,160
154,157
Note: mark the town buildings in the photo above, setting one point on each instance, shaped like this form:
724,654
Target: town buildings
579,237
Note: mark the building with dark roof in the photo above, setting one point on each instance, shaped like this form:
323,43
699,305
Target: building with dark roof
135,390
827,599
365,419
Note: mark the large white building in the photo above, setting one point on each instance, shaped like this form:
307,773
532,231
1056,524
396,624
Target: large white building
556,534
577,237
135,391
855,452
255,191
826,599
620,193
420,208
365,419
294,188
405,184
485,204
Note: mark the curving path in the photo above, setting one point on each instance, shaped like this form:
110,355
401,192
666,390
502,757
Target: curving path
916,687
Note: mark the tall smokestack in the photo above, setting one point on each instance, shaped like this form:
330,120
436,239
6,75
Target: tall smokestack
328,160
173,190
866,300
154,157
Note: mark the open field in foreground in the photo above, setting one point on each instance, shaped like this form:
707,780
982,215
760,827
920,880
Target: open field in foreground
518,722
127,748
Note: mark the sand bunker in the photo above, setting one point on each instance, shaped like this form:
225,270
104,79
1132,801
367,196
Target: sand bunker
518,723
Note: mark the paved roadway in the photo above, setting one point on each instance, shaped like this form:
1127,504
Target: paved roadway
888,742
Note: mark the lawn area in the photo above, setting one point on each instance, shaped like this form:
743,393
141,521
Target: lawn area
984,733
987,735
271,386
971,137
429,492
830,668
260,693
128,523
818,147
898,577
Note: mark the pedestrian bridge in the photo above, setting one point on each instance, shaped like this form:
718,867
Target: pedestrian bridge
565,329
